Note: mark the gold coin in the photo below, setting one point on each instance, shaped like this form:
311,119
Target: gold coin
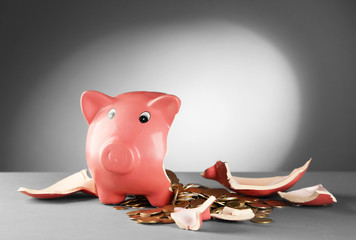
120,208
261,220
182,204
150,212
259,205
261,215
160,215
192,185
134,217
133,213
177,186
138,206
228,198
126,202
214,205
193,190
168,208
217,192
172,176
261,211
276,203
249,199
217,210
235,195
148,220
243,207
130,204
188,194
203,195
183,199
235,204
167,220
220,204
196,203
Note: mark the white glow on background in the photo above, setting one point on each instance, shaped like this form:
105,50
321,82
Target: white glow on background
240,99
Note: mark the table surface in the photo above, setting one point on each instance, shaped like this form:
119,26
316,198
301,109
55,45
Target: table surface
81,216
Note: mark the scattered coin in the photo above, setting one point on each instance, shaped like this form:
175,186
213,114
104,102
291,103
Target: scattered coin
167,220
216,192
160,215
126,202
248,199
243,207
261,215
259,205
134,217
120,208
228,198
172,176
168,208
276,203
194,185
196,203
193,190
235,204
133,213
182,204
138,206
185,199
216,210
261,220
150,212
192,195
189,194
148,220
262,211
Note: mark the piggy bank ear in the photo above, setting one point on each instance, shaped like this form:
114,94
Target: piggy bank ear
169,104
91,102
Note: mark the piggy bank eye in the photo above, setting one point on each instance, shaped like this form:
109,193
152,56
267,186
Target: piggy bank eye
111,113
144,117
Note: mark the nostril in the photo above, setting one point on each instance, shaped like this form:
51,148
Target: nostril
118,158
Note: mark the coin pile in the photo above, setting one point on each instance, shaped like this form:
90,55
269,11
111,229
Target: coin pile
192,196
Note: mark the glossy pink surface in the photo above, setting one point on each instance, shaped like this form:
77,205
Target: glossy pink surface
220,173
127,143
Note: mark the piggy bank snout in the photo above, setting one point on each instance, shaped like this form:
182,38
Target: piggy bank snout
117,157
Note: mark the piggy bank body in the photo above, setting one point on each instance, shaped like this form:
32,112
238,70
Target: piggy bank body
127,142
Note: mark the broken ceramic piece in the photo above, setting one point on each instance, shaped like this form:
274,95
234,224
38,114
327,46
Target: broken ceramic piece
232,214
313,196
78,182
254,186
191,219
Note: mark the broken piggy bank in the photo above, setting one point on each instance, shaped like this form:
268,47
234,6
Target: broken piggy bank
127,142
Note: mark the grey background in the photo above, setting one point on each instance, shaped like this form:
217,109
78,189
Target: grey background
39,36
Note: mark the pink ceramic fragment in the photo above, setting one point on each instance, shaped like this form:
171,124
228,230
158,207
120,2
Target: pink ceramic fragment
313,196
127,142
192,218
78,182
254,186
232,214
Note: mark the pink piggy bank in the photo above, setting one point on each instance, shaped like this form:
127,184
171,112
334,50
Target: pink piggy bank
127,142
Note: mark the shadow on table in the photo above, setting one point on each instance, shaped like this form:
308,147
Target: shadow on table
345,204
217,226
227,227
75,197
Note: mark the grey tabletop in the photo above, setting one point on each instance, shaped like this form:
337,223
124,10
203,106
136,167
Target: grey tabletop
81,216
